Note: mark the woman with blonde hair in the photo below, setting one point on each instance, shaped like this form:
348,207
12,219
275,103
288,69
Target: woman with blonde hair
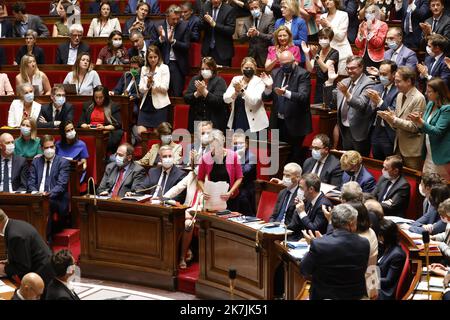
30,73
283,42
28,145
82,75
24,107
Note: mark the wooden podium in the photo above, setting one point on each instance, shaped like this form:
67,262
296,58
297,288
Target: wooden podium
225,244
130,241
33,209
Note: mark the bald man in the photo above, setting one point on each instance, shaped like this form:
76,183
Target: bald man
13,168
289,88
31,287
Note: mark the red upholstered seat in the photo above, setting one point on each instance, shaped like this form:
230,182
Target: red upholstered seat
405,276
227,77
375,172
266,205
240,52
195,54
180,116
110,78
40,8
91,170
313,90
316,130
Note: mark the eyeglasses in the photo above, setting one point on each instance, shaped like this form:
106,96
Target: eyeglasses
351,68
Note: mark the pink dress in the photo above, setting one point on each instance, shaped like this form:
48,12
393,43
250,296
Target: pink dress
272,54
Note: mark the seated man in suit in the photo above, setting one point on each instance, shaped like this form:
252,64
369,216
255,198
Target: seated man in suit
67,52
57,111
438,23
25,249
351,164
308,214
193,21
322,163
434,65
337,262
13,168
31,287
60,287
173,39
398,52
140,45
383,96
24,22
258,32
123,175
164,177
141,22
285,205
392,190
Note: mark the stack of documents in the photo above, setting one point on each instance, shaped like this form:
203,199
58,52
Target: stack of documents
298,249
436,284
398,220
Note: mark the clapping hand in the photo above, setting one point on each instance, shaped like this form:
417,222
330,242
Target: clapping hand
342,88
372,71
280,91
326,212
305,47
332,75
426,28
423,70
210,20
238,86
267,79
162,34
416,117
387,115
201,87
299,205
313,49
42,119
170,35
324,22
374,96
309,236
252,32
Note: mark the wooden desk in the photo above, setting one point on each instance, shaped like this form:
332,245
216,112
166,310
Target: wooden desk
7,295
225,244
129,241
33,209
414,250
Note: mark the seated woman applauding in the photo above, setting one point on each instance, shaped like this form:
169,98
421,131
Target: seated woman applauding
283,41
102,114
114,52
104,24
70,147
82,76
30,48
24,107
30,73
164,132
221,164
28,145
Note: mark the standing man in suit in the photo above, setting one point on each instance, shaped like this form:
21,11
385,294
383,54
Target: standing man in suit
123,175
25,22
258,31
285,205
60,287
408,142
25,249
6,29
383,96
218,23
173,39
141,22
392,190
67,52
351,7
49,175
31,287
57,111
434,65
193,21
322,163
411,13
438,23
13,168
308,214
289,88
351,164
202,139
337,262
166,176
152,4
398,52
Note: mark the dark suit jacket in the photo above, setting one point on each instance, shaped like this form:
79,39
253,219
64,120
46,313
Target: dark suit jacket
412,39
276,9
135,52
443,27
123,83
399,194
7,29
223,31
440,69
35,23
62,52
132,4
365,180
194,23
56,290
180,47
331,171
175,176
148,27
19,173
431,216
64,115
2,56
297,114
59,179
391,267
389,103
351,7
133,179
212,107
337,264
315,219
290,209
27,251
37,52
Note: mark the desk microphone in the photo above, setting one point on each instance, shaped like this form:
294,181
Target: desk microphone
232,276
426,244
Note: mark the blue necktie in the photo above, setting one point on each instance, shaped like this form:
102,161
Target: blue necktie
408,16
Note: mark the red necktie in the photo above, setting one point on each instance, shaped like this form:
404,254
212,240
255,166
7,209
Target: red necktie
118,183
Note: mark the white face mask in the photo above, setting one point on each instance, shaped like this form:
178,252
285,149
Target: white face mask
300,194
49,153
205,139
25,131
28,97
166,139
324,43
386,175
167,162
206,74
120,161
430,53
287,182
10,148
71,134
116,43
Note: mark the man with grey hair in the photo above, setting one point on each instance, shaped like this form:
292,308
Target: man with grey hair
351,191
13,168
336,263
67,52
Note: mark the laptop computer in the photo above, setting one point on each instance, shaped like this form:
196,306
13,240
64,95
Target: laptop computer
70,88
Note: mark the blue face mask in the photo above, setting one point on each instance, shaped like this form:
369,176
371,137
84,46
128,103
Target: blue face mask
60,100
316,154
287,68
256,13
392,45
384,80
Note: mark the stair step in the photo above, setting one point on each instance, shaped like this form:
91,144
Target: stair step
66,237
187,278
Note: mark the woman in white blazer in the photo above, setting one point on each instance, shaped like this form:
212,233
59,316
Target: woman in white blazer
24,107
153,85
104,24
245,95
337,20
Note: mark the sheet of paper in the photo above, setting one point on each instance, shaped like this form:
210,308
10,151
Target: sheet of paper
398,220
4,289
325,187
299,253
423,286
420,296
215,190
